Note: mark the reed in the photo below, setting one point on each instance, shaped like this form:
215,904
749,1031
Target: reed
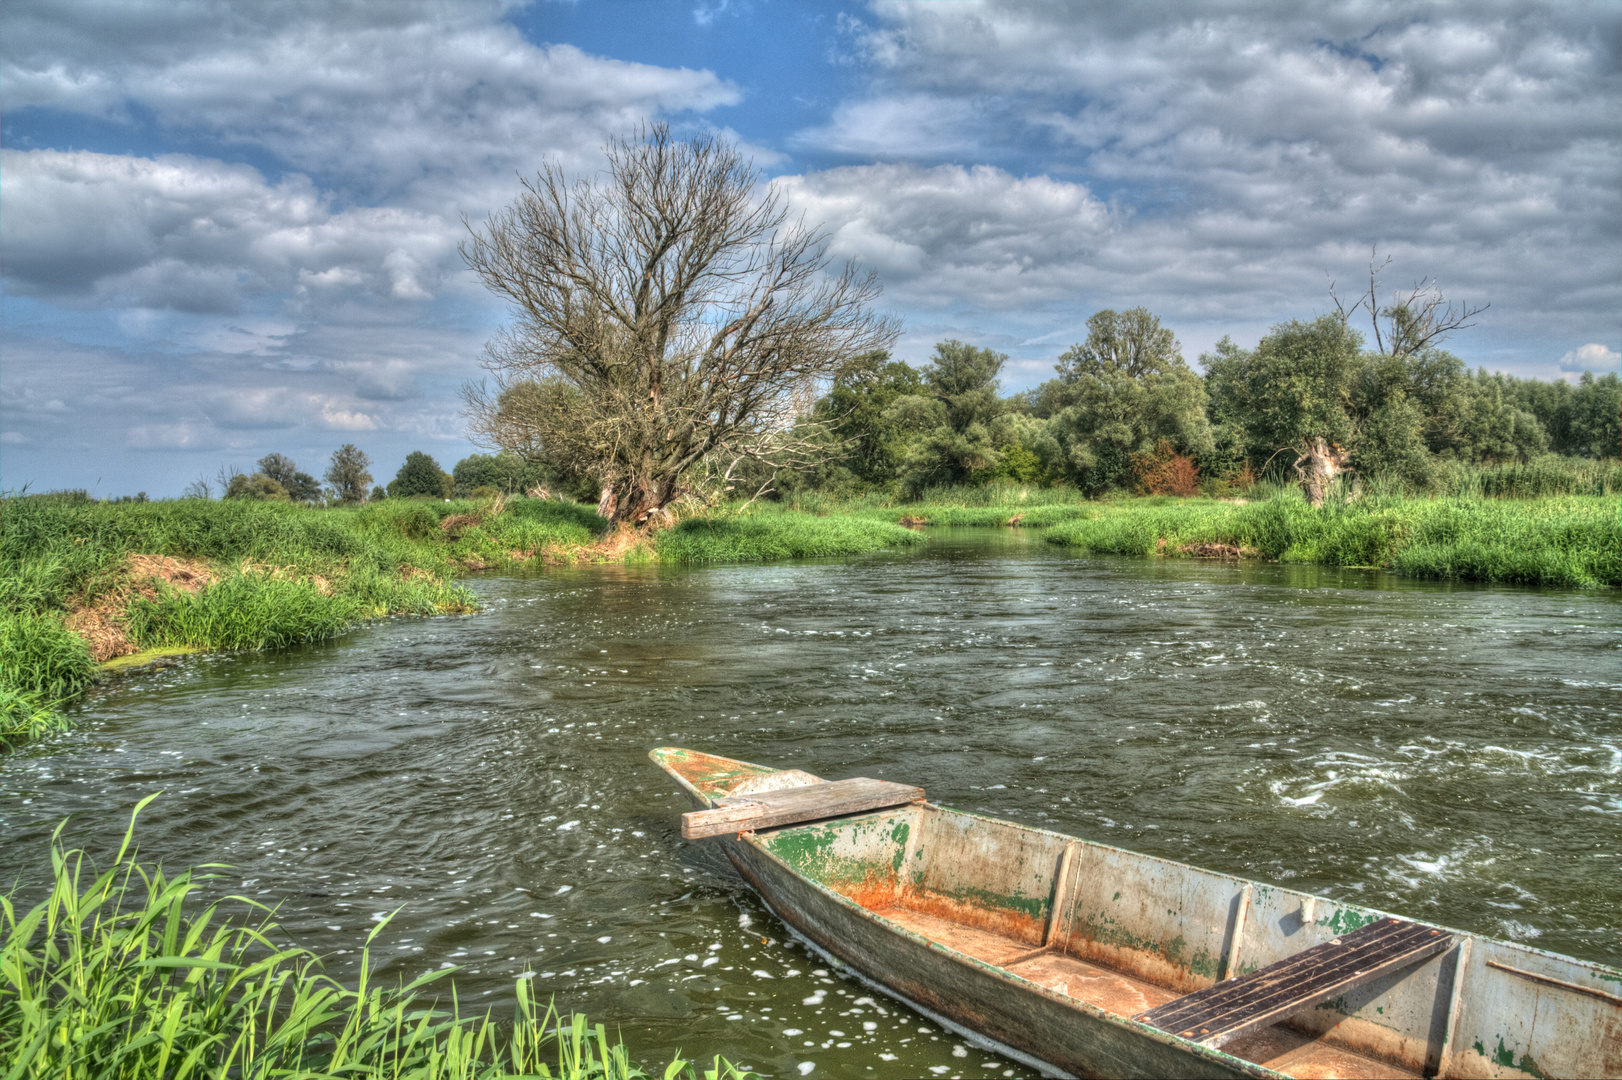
128,973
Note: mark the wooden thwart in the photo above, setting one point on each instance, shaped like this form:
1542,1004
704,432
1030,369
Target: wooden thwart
1241,1006
811,802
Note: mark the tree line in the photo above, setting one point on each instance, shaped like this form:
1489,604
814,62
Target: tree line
277,478
1125,411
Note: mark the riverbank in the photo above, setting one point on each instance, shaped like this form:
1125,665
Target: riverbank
1569,542
89,995
85,585
87,588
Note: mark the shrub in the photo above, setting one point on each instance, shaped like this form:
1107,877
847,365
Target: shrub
1165,472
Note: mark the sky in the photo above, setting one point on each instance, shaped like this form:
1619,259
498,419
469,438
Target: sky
231,229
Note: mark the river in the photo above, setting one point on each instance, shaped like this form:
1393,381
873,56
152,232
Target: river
1448,752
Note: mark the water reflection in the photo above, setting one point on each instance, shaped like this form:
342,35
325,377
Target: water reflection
1448,752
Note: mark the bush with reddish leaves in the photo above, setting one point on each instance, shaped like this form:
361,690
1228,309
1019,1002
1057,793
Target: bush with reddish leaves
1163,471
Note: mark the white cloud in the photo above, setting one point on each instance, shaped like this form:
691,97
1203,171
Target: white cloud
1591,357
426,104
1244,151
197,235
938,235
317,289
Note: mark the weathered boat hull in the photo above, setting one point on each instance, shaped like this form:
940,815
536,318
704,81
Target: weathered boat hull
1080,1041
1050,946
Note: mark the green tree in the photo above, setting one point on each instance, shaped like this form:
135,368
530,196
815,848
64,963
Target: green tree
300,486
421,476
257,487
505,472
1486,423
1596,416
348,475
951,417
1121,392
871,446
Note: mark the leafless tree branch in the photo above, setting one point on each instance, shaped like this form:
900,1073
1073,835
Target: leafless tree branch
1421,318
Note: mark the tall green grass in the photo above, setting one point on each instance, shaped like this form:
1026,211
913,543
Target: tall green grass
1572,542
772,534
124,974
386,558
42,664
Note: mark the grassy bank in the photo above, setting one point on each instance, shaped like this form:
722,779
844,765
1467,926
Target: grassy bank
125,973
82,583
1573,541
774,533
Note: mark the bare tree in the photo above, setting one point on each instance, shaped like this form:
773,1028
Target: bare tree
1418,319
665,312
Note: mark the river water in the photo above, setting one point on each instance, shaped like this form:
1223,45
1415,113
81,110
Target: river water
1448,752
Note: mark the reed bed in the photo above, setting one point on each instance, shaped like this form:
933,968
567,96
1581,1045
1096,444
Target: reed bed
129,973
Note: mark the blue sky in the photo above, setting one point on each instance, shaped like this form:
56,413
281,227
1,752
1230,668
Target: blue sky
232,229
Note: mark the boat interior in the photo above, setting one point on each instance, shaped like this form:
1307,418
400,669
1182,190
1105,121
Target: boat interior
1171,945
1125,938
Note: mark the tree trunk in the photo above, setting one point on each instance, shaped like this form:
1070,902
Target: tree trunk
644,504
640,503
1318,466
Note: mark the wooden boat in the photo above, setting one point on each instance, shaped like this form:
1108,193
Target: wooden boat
1094,961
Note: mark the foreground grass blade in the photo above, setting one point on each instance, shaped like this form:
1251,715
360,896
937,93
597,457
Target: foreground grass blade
124,975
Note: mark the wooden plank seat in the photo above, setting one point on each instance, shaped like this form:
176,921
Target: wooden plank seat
1246,1004
810,802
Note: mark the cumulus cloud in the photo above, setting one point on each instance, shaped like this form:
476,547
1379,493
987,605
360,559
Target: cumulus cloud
196,235
939,234
1591,357
1244,151
424,104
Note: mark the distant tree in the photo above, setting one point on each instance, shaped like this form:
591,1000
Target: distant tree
300,486
1291,393
504,472
257,487
951,417
667,312
1596,416
200,488
348,475
1411,322
421,476
1119,394
1484,422
379,493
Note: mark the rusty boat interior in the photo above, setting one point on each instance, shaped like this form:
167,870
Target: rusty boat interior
1297,984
